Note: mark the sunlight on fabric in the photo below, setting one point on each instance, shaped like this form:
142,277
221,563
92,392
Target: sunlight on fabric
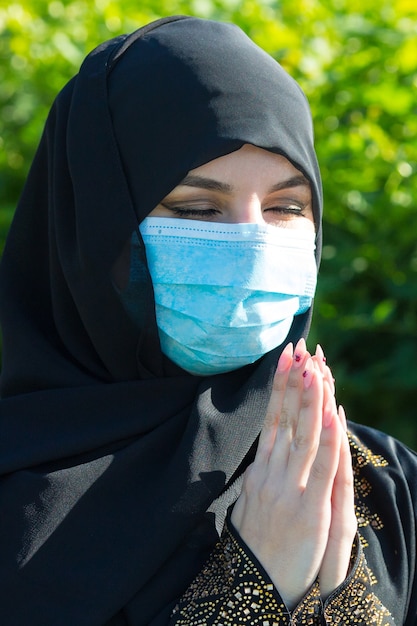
49,512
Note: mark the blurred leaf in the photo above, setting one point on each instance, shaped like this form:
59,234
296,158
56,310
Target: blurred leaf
357,62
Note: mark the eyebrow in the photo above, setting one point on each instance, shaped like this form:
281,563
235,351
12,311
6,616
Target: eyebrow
191,180
294,181
205,183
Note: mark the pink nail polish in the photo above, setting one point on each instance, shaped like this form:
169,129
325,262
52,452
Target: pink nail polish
299,352
320,353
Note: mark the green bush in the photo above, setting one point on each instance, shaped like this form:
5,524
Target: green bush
357,62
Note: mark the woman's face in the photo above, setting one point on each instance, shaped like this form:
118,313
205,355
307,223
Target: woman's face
250,185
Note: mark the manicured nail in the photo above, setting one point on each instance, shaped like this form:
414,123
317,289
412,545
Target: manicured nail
285,360
320,353
299,352
342,417
308,373
320,359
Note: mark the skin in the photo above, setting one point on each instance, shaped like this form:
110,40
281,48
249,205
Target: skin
250,185
296,509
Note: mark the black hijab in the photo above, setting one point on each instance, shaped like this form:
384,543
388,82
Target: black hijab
116,465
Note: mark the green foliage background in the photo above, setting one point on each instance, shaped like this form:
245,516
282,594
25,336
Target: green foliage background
357,62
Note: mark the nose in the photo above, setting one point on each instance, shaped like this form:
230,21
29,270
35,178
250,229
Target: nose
247,210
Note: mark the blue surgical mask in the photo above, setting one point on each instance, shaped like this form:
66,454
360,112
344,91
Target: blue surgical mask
226,294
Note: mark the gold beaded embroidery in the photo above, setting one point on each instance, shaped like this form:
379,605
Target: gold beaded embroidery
362,456
230,591
308,611
355,604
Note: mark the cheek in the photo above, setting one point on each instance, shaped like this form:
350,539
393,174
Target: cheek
159,211
302,223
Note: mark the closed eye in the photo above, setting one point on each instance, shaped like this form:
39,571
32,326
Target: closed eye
288,210
191,211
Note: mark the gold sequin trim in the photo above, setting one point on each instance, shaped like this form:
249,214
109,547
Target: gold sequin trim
308,611
361,457
356,604
230,591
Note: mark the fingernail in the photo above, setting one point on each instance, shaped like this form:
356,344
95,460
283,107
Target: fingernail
320,353
285,360
308,373
299,352
342,417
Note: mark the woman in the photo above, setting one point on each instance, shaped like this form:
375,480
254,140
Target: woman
158,274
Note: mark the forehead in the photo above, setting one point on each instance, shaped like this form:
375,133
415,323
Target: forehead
248,161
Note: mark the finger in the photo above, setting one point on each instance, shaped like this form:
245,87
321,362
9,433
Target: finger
290,406
343,493
329,403
318,409
267,436
330,379
277,409
323,470
343,521
306,438
321,359
300,352
324,368
289,410
342,417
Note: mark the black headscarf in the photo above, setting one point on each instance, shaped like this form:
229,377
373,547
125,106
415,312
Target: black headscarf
116,465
